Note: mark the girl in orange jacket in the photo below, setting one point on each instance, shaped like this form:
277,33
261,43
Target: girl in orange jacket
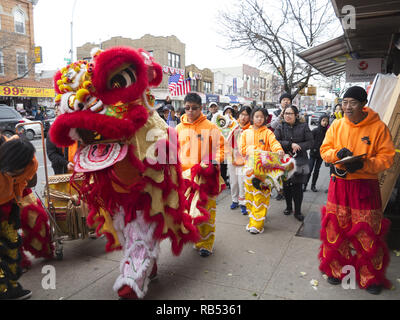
258,137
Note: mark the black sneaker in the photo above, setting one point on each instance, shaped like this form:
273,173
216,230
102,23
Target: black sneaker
17,293
375,289
204,253
334,281
314,189
279,197
287,212
305,188
299,216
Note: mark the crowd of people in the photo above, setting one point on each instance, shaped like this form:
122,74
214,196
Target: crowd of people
353,227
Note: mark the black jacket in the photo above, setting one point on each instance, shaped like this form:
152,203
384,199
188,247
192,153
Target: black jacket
300,133
57,157
319,136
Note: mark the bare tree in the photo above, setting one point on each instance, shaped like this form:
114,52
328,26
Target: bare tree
8,41
275,35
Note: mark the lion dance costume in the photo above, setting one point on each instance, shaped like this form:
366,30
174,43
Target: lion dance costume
128,156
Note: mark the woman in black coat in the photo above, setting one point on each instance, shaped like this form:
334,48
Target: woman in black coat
296,138
315,156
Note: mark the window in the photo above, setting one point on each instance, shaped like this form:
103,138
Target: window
193,84
207,87
1,63
174,60
19,21
22,66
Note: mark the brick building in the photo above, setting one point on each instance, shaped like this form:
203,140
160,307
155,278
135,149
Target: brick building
18,86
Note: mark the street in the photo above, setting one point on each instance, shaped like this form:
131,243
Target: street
279,264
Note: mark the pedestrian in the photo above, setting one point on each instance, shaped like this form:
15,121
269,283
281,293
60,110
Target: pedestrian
284,100
296,138
212,109
18,167
237,161
172,120
228,110
235,111
315,156
352,218
338,112
201,150
258,137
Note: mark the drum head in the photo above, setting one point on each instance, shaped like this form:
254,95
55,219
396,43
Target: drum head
96,157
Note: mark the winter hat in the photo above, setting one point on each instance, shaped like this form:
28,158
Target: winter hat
357,93
285,95
228,107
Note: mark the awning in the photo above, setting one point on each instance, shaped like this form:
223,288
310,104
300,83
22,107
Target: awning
377,29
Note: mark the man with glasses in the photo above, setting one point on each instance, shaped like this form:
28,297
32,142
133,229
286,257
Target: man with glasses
201,152
353,217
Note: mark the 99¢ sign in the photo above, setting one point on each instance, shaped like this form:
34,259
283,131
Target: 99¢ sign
27,92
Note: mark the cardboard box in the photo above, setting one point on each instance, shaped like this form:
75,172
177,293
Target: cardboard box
388,178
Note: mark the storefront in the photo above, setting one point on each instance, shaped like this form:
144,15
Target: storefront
26,98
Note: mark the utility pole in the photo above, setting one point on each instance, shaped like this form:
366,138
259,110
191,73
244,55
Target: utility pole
72,32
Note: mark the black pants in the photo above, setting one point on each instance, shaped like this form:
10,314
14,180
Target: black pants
315,163
224,173
293,192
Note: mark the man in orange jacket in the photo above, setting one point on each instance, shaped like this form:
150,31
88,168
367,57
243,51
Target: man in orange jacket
201,152
353,217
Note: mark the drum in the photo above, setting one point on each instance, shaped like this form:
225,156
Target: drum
70,212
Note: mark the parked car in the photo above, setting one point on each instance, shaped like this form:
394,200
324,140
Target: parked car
9,118
315,117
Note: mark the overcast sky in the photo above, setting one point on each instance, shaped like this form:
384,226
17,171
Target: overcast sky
194,22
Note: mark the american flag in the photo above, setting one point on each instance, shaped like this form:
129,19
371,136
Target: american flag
177,85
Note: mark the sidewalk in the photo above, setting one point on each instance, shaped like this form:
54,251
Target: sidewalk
267,266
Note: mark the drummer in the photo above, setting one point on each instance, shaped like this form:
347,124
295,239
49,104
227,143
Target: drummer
18,167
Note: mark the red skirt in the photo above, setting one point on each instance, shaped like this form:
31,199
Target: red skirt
353,232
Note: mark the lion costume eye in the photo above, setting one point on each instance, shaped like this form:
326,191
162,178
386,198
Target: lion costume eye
123,78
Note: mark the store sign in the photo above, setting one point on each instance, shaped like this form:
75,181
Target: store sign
26,92
38,55
363,70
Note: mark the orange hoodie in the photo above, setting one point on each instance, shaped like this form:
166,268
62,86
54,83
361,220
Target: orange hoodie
259,139
370,136
199,141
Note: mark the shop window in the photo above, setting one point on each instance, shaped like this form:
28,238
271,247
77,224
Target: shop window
19,21
22,66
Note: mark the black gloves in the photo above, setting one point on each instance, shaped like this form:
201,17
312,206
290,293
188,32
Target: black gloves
342,153
354,166
256,183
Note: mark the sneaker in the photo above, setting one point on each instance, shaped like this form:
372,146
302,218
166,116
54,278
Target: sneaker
204,253
314,189
17,293
305,187
234,205
287,212
299,216
253,230
279,197
244,210
334,281
375,289
126,293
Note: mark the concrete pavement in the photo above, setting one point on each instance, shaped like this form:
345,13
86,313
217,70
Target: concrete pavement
275,265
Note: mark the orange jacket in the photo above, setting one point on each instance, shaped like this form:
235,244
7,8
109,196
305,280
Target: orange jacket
259,139
235,146
199,141
370,136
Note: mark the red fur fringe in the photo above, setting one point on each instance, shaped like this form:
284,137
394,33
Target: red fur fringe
136,199
33,233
